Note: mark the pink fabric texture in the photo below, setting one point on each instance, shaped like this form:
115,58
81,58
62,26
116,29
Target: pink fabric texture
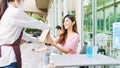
71,42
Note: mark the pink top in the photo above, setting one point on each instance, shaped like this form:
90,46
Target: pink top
71,42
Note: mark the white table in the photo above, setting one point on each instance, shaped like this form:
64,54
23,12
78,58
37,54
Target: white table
83,60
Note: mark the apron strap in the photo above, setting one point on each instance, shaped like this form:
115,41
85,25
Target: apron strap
16,48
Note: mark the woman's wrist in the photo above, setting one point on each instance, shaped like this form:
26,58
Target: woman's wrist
54,44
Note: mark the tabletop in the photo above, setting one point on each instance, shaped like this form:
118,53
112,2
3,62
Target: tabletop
83,60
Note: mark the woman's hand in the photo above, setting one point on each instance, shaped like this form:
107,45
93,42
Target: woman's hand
51,65
50,40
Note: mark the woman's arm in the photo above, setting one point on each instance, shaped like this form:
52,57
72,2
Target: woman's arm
55,44
66,51
46,48
72,45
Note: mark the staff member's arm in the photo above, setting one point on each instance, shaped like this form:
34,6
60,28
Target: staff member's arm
28,38
23,20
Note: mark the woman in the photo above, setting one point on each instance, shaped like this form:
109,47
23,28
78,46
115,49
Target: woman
68,39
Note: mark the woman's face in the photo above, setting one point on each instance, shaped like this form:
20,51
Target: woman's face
68,23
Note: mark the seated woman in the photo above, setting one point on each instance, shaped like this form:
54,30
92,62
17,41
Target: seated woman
68,39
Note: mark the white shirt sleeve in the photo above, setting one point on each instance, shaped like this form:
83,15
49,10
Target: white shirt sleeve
21,19
27,37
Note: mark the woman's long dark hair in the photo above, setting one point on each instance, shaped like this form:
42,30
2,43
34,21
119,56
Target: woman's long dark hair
63,34
3,7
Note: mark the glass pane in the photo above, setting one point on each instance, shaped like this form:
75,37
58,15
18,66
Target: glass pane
100,21
118,13
109,16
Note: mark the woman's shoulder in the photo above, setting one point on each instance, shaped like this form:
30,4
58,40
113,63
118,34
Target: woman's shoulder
75,35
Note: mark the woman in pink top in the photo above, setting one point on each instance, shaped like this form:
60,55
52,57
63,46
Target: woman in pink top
69,36
68,39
